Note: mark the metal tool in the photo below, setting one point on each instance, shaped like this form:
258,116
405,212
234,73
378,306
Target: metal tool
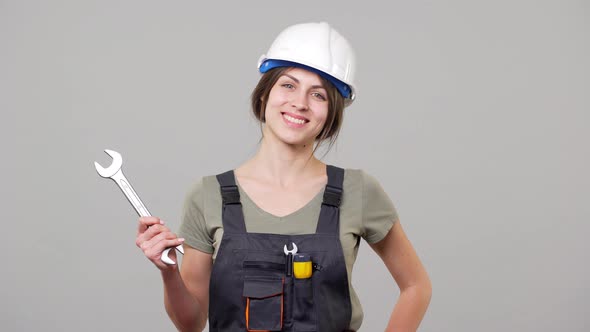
289,254
116,174
292,252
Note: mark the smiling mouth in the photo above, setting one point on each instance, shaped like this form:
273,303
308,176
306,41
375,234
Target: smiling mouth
294,120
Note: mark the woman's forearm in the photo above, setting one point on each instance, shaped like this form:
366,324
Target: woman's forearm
410,309
184,310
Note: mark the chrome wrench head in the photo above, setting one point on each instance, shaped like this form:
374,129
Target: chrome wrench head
115,165
292,252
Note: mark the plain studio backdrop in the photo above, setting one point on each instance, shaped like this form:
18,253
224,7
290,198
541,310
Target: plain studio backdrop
472,115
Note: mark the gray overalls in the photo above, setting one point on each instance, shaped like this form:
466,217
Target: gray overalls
252,287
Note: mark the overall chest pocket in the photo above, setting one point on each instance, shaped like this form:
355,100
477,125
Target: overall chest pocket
264,303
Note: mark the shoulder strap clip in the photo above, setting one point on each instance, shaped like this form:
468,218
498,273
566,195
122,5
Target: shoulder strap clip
332,196
230,194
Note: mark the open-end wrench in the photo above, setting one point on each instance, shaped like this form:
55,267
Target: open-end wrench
116,174
290,254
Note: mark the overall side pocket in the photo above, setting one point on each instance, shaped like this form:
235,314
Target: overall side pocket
264,303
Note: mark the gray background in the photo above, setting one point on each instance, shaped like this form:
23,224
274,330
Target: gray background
473,116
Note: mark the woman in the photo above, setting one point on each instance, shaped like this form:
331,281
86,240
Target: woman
271,244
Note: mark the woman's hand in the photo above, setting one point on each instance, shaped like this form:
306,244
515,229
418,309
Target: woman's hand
153,237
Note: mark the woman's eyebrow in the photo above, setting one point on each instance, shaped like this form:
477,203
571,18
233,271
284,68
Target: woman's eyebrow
297,81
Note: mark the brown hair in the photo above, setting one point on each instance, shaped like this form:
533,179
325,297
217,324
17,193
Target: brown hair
335,105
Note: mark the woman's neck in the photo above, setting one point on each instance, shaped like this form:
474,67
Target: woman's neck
282,164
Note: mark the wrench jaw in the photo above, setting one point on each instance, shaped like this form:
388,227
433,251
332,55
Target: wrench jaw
165,257
115,165
293,252
165,253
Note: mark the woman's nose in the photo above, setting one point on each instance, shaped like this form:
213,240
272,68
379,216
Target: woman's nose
299,101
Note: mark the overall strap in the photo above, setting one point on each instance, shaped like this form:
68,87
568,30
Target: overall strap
232,215
329,221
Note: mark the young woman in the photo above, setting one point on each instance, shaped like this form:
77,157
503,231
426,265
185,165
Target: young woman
270,245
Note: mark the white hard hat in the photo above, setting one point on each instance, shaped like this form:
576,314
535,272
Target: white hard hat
317,47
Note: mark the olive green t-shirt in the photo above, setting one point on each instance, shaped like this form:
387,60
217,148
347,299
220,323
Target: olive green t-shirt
365,212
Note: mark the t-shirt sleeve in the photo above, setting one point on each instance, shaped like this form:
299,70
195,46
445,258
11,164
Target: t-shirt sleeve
194,227
378,213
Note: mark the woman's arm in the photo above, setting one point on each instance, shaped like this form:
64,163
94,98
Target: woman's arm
186,293
405,267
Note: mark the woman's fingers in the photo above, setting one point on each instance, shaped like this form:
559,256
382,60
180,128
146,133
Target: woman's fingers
164,235
148,228
153,237
146,222
154,253
150,233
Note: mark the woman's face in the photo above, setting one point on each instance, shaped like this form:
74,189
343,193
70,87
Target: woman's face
297,107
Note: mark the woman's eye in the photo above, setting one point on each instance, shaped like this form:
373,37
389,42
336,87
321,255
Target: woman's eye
319,95
288,85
